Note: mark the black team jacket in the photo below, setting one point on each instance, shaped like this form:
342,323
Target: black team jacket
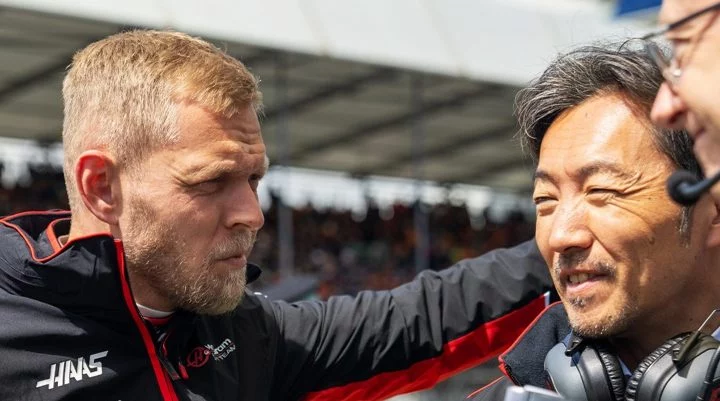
70,329
523,363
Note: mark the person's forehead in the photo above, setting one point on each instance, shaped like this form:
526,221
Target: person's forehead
603,132
198,126
601,122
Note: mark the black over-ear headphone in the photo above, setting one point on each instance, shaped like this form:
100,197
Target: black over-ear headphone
591,372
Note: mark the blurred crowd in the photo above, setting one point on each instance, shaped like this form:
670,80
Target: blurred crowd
345,251
42,189
376,251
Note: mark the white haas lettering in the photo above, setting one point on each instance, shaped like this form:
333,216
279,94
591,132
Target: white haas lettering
62,372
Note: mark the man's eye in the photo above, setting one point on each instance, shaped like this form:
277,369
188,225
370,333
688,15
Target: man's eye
544,205
602,191
542,199
209,185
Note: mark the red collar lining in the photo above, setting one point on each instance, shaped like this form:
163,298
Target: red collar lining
52,236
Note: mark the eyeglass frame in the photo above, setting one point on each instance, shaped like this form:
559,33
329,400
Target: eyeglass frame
670,69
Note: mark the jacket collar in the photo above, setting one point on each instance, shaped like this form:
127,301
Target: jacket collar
82,270
524,361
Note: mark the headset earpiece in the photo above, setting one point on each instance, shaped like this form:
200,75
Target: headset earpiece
593,373
639,374
659,378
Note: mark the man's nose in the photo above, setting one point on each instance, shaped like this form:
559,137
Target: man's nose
244,209
668,109
570,231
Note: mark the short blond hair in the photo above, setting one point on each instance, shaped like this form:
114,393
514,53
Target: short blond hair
122,93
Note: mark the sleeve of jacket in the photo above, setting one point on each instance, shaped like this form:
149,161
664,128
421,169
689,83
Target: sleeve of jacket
383,343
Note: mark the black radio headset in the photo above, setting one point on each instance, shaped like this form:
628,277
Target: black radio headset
684,368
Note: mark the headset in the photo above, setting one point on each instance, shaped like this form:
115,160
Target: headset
682,369
686,189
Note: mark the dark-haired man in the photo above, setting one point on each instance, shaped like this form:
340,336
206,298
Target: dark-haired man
633,269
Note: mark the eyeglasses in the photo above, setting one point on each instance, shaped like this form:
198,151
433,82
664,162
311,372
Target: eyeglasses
667,61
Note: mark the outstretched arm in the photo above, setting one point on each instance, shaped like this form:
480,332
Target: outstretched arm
378,344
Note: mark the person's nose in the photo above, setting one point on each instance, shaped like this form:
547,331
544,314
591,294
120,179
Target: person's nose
570,229
668,109
244,208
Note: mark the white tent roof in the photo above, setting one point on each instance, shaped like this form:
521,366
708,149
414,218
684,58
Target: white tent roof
351,69
504,41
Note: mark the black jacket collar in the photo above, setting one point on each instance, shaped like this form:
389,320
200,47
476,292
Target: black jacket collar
84,271
524,361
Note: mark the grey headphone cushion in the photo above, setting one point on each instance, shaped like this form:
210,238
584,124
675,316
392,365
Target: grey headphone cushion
636,378
615,375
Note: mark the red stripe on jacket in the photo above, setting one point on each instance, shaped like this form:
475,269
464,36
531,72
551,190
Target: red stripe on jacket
479,345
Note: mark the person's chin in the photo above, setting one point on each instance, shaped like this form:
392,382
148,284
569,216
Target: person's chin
588,321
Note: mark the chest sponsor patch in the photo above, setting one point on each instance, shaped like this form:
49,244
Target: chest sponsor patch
201,355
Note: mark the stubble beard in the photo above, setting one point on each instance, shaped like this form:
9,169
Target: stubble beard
614,319
156,254
610,324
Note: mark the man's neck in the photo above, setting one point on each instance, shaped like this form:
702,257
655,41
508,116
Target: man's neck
153,313
145,294
82,225
632,348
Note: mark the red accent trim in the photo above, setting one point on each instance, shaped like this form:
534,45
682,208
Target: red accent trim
52,237
481,389
183,372
457,355
35,213
166,388
6,221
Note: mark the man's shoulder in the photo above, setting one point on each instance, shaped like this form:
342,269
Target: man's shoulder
253,305
24,229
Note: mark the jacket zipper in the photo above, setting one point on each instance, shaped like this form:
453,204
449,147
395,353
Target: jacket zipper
509,374
161,375
163,355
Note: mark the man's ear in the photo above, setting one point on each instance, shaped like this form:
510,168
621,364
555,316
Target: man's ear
713,238
97,181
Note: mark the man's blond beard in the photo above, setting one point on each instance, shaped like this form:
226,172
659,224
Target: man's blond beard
155,252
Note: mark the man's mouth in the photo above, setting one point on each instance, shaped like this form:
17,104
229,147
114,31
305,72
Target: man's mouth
583,283
579,278
238,261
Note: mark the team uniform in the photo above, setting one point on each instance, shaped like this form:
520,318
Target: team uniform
523,363
72,331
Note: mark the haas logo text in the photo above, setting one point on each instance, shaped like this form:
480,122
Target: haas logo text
62,372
